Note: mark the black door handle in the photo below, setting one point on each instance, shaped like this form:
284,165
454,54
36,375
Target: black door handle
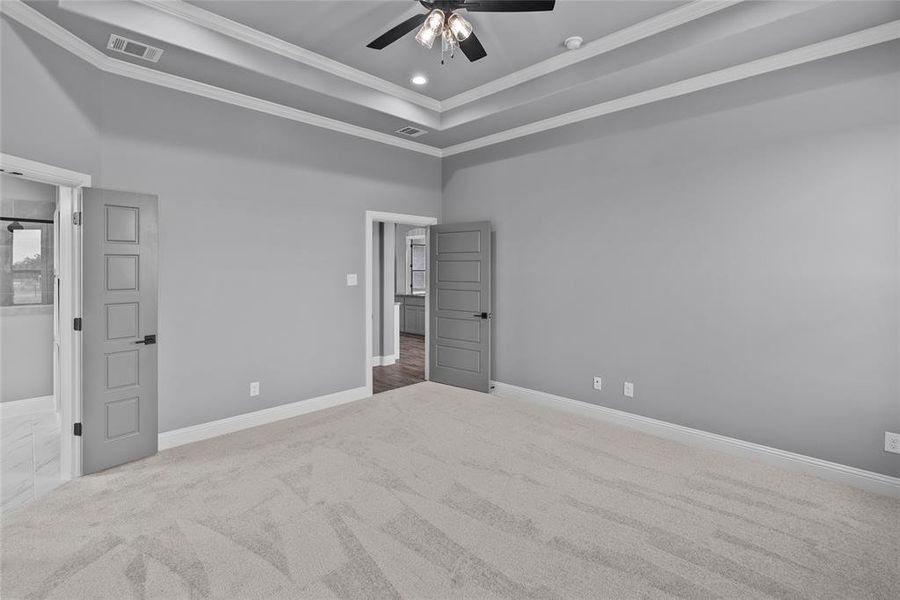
483,315
148,339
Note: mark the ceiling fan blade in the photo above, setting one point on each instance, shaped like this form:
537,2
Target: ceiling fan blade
472,48
397,32
509,5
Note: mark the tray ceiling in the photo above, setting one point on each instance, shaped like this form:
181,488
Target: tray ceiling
307,60
341,30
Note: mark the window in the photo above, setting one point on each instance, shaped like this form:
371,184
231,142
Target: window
28,269
26,266
417,262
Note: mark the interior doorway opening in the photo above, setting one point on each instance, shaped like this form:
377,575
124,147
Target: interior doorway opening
30,414
64,186
399,275
397,278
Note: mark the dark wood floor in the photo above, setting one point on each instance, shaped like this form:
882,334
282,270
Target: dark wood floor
408,370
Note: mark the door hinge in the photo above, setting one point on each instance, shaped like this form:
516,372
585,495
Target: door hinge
77,429
77,323
76,217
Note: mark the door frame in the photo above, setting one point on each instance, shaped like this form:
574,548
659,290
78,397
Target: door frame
68,300
372,217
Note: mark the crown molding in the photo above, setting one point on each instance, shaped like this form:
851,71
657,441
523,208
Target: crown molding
47,28
623,37
270,43
839,45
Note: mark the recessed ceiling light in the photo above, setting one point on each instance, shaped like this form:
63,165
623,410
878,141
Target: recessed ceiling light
419,79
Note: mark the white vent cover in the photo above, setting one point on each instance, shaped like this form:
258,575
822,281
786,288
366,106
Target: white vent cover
410,131
132,48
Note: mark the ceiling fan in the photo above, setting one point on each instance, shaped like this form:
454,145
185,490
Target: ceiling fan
443,21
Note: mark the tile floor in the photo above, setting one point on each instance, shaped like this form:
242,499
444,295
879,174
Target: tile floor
29,457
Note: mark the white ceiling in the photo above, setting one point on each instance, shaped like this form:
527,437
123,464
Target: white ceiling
307,60
341,30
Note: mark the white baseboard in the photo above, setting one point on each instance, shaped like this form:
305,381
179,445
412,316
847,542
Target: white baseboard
203,431
383,361
860,478
17,408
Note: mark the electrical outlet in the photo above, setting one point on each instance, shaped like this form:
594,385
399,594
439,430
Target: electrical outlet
892,442
598,383
254,388
351,279
629,389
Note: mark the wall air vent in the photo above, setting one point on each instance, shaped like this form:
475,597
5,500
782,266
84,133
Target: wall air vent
132,48
410,131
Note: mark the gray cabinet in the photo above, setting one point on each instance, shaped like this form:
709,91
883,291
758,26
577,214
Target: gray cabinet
415,319
412,314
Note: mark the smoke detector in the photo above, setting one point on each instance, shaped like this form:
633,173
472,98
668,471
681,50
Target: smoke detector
574,42
117,43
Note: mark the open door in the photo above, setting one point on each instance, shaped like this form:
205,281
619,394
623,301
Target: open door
460,305
119,304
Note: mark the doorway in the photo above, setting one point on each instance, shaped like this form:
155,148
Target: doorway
399,275
119,305
39,396
397,324
30,444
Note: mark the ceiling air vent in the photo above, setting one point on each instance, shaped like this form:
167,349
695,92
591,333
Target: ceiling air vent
132,48
410,131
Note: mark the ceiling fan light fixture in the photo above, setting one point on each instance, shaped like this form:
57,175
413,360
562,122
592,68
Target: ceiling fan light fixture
431,28
459,27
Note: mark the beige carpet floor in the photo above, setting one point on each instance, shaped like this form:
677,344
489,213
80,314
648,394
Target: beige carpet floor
434,492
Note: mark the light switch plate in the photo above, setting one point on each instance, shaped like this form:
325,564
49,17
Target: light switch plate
629,389
351,279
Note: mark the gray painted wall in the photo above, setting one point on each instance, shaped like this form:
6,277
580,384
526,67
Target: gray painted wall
26,352
260,221
733,253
